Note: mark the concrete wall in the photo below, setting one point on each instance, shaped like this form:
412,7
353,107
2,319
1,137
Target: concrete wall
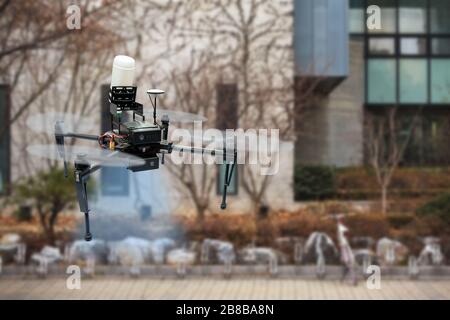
332,128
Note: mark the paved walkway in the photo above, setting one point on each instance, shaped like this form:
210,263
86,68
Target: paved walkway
250,288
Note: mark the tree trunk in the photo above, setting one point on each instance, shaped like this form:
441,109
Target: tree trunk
50,234
383,200
201,210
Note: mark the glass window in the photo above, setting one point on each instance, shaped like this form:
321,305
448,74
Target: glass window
357,16
439,16
413,46
440,45
388,15
413,16
381,81
382,46
232,188
115,182
440,81
413,81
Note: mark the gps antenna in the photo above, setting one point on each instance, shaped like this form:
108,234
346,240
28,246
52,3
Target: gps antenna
153,94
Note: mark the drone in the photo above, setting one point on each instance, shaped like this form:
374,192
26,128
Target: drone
133,142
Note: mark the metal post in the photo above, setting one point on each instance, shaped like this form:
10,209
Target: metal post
20,256
181,270
42,268
413,268
273,266
67,252
228,269
320,267
135,270
298,255
390,255
367,261
89,270
204,256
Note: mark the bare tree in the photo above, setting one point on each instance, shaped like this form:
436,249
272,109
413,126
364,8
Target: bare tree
194,91
251,45
386,143
35,43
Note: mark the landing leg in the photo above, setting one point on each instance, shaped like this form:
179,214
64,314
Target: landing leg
229,169
82,173
88,235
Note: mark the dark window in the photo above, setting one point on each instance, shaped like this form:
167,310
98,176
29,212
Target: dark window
408,64
440,46
413,16
439,16
233,188
5,139
427,140
388,15
114,181
357,16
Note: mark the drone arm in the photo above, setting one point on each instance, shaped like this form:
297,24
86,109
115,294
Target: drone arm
59,137
81,136
229,158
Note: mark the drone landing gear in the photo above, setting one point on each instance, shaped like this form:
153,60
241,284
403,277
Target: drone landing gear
82,173
229,169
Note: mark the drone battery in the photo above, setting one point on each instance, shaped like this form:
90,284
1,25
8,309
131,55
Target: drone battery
150,164
140,133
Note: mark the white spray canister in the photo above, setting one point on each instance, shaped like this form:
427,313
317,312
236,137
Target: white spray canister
122,71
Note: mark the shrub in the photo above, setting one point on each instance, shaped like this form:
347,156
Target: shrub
368,225
23,213
360,183
399,221
314,182
438,207
239,229
50,192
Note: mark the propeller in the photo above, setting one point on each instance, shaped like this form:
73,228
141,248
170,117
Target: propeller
45,122
231,140
88,155
176,116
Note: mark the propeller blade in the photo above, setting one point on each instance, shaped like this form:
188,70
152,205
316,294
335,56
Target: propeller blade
89,155
218,139
45,122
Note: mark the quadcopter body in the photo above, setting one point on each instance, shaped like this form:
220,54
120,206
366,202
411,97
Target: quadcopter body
132,141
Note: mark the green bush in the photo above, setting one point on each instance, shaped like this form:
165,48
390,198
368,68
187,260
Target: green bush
23,213
50,193
399,221
438,207
314,183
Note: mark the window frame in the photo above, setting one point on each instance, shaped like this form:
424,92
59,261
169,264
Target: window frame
397,36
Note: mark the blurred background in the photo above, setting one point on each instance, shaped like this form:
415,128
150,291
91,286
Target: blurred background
363,115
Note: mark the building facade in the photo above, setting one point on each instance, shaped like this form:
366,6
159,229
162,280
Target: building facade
404,64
